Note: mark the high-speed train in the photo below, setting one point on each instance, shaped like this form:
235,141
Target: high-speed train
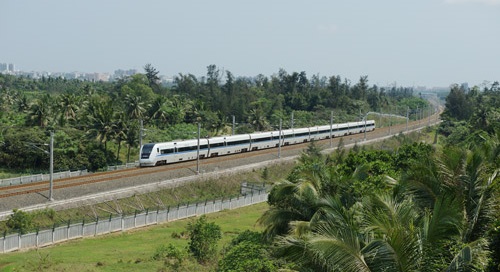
154,154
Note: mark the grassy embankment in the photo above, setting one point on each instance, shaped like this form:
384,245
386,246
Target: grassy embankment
131,250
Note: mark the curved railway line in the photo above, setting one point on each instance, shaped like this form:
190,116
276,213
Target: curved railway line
19,196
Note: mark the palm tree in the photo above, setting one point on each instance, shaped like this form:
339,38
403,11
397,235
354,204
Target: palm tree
377,234
435,219
258,119
68,106
134,107
131,137
40,110
457,195
102,124
119,134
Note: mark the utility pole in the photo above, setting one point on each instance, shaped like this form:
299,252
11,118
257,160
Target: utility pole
198,152
51,187
407,112
291,121
279,141
364,118
390,120
331,128
232,131
141,129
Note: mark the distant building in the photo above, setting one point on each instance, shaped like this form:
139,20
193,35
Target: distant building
465,86
124,73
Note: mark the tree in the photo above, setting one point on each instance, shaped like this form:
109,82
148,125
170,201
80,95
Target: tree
152,76
457,104
68,106
40,111
102,123
134,107
203,237
246,256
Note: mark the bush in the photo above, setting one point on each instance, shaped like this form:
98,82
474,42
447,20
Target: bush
203,239
20,221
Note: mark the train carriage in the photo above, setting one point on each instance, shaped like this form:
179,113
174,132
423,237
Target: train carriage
219,146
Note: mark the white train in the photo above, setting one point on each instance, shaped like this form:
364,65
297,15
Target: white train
154,154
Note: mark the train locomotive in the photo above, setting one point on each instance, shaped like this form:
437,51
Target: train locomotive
153,154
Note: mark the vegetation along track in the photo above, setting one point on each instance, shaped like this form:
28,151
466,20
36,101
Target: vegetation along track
128,177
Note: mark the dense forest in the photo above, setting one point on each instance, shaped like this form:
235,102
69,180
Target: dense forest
99,123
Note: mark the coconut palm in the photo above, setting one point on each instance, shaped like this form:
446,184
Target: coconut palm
101,118
433,220
68,106
131,137
40,111
134,107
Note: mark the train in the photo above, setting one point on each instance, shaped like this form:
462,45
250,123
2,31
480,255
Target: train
154,154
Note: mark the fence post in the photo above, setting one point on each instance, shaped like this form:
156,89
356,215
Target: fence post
53,230
96,224
157,214
123,222
109,225
135,219
69,224
36,239
4,234
83,227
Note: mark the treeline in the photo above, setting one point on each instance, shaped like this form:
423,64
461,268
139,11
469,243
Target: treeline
98,123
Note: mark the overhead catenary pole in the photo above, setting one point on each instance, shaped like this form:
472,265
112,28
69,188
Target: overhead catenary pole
364,118
390,121
429,119
331,129
232,131
141,129
198,152
407,112
279,141
51,186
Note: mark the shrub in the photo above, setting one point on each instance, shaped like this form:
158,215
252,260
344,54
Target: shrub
203,239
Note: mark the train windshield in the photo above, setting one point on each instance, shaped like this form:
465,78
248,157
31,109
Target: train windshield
146,150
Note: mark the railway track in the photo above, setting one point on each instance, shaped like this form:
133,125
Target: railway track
100,182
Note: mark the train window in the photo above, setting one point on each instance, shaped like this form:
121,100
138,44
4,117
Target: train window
302,134
187,148
238,142
167,151
261,140
147,148
216,145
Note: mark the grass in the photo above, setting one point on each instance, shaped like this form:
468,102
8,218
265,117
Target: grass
131,250
224,187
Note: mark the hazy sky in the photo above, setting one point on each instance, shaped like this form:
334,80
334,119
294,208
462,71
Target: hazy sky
410,42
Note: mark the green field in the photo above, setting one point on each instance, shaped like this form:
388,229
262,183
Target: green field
131,250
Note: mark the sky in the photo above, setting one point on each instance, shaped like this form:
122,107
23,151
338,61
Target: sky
431,43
